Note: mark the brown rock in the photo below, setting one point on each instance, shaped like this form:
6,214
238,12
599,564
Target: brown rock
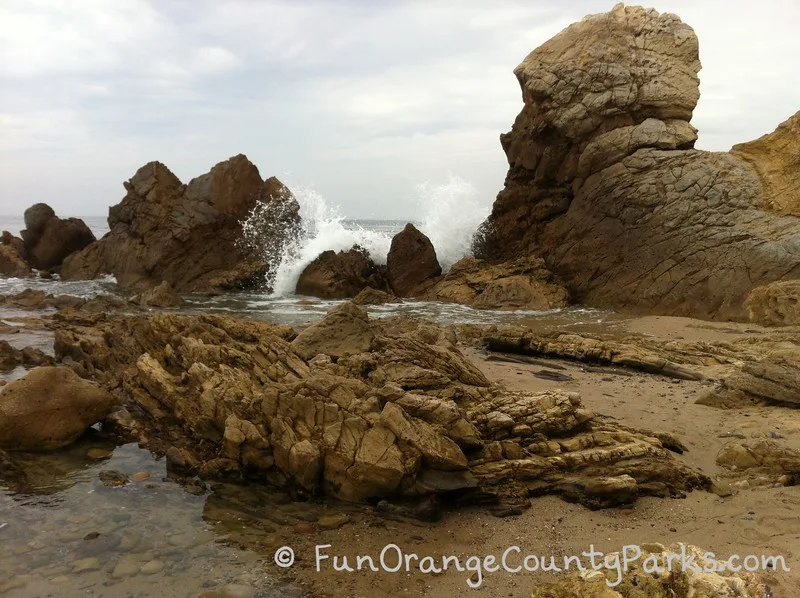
162,295
11,357
60,238
36,218
340,275
12,264
49,408
603,182
775,304
411,262
188,235
370,296
343,331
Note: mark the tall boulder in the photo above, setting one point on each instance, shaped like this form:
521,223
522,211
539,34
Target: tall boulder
412,263
340,275
49,240
189,235
603,182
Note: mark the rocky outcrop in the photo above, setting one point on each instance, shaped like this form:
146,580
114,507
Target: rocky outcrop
776,159
655,571
370,296
763,461
774,378
49,240
523,283
162,295
775,304
12,263
340,275
11,357
411,264
356,410
603,182
188,235
35,299
49,408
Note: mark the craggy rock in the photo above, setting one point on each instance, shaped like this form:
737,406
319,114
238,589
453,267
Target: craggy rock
775,304
639,580
776,159
340,275
12,265
523,283
764,462
603,182
49,408
49,239
11,357
188,235
355,411
39,300
411,262
162,295
370,296
775,378
631,354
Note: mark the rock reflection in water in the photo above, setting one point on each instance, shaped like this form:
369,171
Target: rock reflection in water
64,533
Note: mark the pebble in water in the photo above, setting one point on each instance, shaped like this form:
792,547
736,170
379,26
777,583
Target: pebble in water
152,567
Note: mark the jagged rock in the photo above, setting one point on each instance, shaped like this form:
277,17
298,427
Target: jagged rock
370,296
656,572
776,159
400,414
188,235
35,299
49,408
343,331
775,304
11,357
603,182
12,264
162,295
411,263
523,283
49,239
340,275
763,461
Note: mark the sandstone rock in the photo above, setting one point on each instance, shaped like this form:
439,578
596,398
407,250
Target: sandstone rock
340,275
775,304
709,580
603,182
11,357
411,263
49,408
523,283
188,235
162,295
60,238
12,264
370,296
776,159
764,461
344,331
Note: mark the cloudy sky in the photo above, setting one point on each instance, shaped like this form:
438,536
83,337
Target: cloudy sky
362,101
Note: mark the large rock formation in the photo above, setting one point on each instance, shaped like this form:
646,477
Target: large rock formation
340,275
356,410
411,264
603,182
48,239
49,408
523,283
775,304
188,235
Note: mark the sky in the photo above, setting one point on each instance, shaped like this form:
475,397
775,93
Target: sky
361,101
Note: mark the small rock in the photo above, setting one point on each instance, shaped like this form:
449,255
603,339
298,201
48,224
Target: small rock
328,522
140,477
83,565
96,454
304,527
125,569
113,478
152,567
235,590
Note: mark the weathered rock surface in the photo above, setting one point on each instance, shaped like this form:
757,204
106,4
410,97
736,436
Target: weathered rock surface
340,275
765,462
776,159
411,264
49,408
11,357
36,299
523,283
774,378
49,239
188,235
775,304
603,182
356,410
640,580
370,296
162,295
12,263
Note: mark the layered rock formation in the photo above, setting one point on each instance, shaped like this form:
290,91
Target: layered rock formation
603,182
49,240
188,235
340,275
356,410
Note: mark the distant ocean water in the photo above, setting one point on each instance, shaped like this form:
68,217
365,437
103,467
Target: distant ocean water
14,223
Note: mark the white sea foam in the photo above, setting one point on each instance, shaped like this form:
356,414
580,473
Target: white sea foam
449,214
